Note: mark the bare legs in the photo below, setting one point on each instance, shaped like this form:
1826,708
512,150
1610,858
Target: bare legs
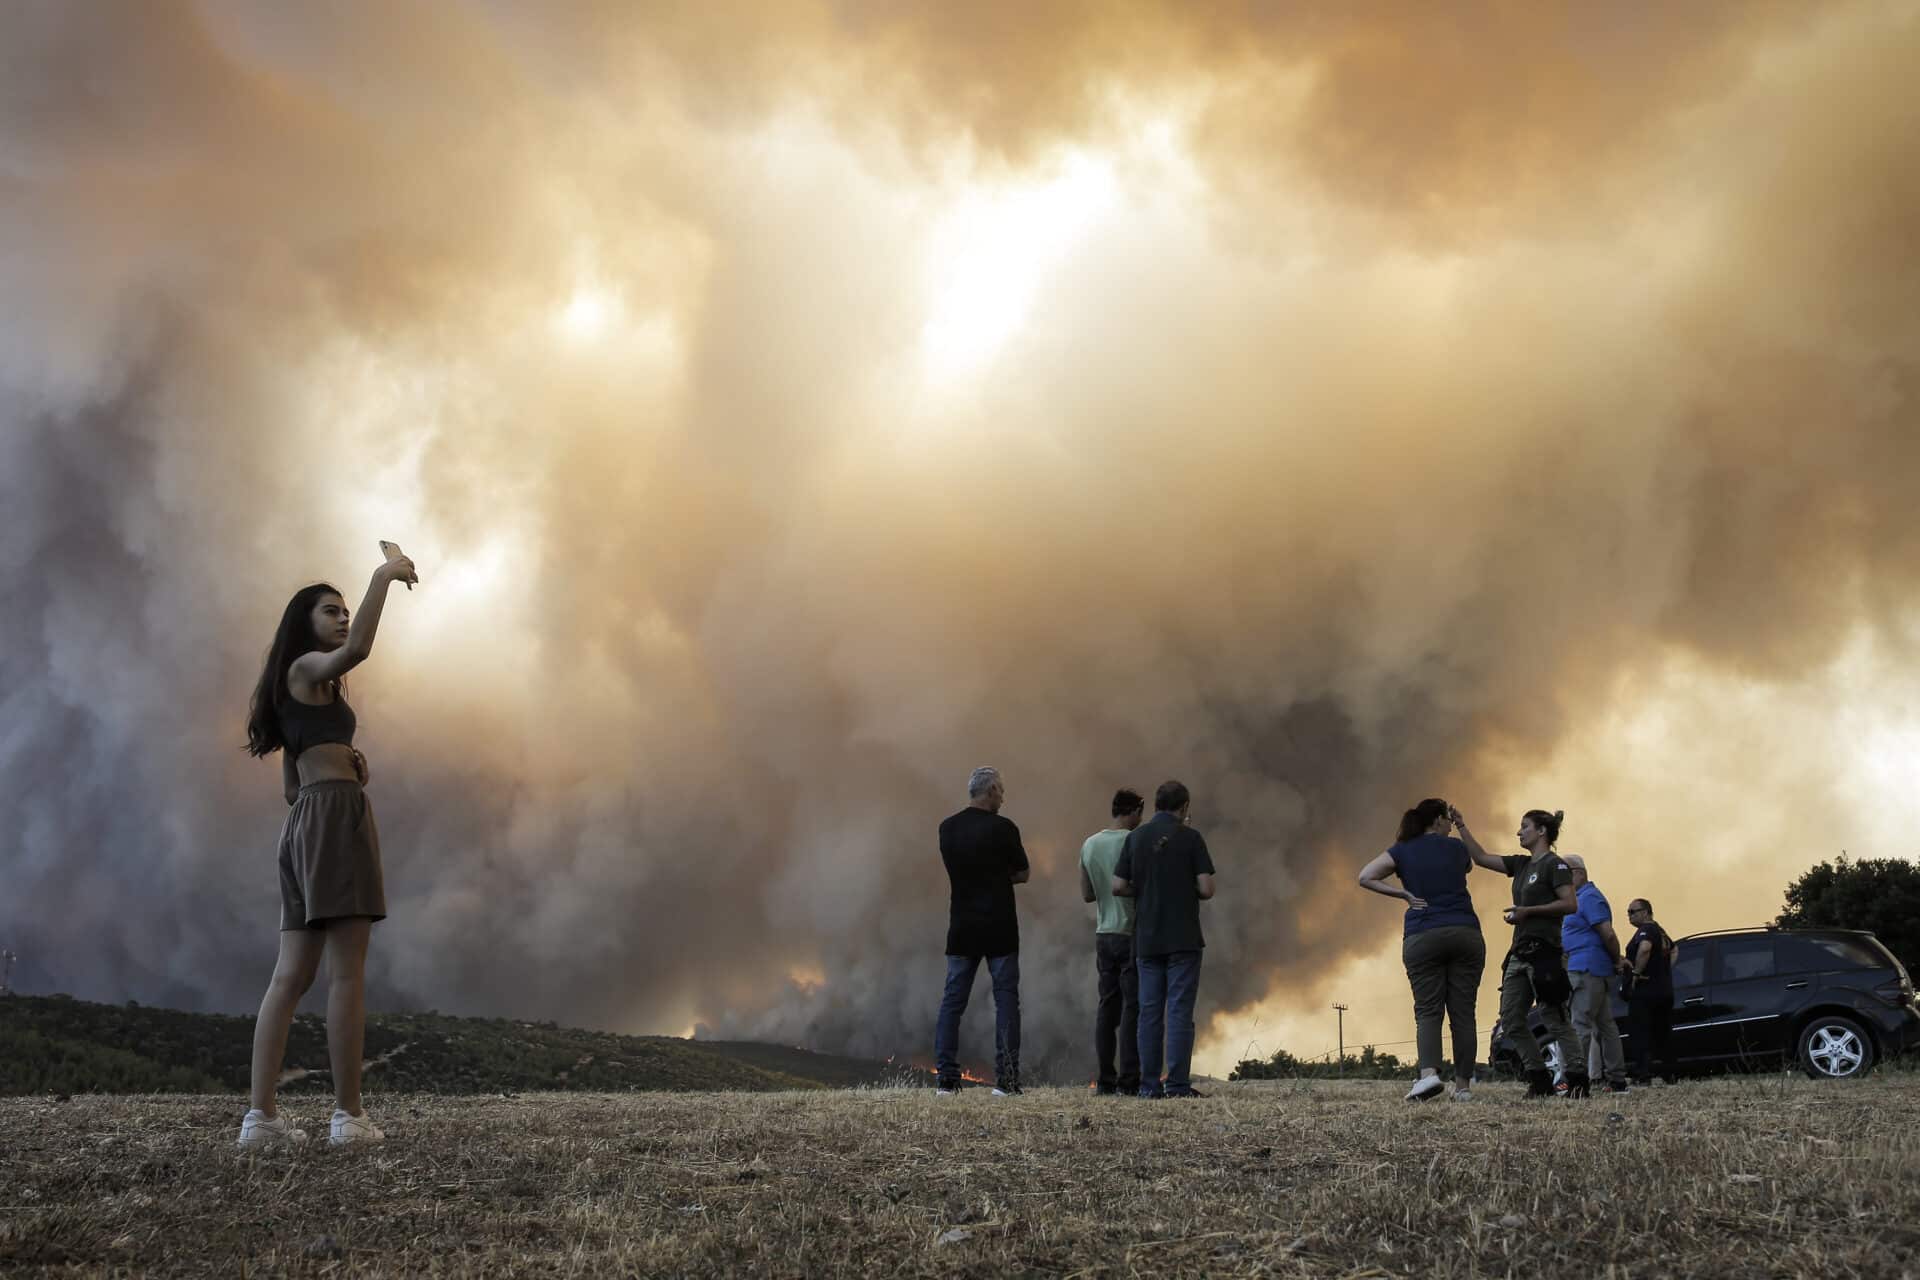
344,943
347,1007
292,974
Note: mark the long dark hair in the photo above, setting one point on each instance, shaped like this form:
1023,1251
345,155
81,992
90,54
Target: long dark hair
293,637
1415,821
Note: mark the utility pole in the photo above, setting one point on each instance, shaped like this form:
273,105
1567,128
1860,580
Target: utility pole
1340,1013
6,970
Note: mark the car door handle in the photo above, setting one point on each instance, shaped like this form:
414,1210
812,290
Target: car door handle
1795,986
1694,1000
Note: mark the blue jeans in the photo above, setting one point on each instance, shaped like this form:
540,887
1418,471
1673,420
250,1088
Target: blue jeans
1168,986
1005,972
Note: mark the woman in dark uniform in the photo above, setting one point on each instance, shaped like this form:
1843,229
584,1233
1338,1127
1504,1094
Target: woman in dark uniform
330,882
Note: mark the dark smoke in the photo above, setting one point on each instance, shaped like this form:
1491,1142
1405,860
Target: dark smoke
1461,372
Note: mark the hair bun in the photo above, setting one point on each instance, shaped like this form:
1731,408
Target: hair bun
1559,814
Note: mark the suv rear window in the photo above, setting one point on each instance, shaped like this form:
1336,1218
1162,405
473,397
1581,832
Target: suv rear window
1803,953
1742,958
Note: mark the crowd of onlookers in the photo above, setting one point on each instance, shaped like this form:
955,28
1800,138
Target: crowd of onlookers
1146,878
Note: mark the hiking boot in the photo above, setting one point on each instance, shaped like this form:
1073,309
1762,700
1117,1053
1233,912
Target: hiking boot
258,1131
350,1129
1540,1083
1578,1086
1426,1089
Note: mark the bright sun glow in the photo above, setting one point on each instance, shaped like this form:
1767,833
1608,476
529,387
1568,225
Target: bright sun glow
586,315
990,255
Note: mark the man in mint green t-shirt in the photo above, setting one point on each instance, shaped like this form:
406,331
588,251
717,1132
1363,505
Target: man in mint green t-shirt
1119,1008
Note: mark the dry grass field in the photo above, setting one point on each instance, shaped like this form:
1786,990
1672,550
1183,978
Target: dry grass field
1757,1177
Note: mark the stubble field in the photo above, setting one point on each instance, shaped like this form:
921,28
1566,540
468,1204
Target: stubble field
1753,1177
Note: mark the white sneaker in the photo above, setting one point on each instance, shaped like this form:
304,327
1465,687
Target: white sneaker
1426,1088
1463,1095
944,1093
1001,1093
349,1129
258,1131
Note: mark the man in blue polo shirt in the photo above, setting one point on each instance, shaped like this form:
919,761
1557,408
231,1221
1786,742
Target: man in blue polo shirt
1593,957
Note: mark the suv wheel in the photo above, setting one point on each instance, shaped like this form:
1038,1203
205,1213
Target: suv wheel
1835,1048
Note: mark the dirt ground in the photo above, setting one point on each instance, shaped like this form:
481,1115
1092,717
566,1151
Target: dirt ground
1762,1176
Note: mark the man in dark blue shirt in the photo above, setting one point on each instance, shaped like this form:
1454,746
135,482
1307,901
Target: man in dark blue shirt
1649,959
1167,870
984,860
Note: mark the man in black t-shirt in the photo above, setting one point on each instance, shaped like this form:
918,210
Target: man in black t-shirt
1166,868
1649,958
984,860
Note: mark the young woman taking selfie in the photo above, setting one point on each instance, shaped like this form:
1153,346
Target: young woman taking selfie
331,891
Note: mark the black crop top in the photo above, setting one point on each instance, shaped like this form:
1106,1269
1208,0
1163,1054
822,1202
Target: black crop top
305,726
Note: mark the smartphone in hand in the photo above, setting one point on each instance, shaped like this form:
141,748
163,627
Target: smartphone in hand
391,550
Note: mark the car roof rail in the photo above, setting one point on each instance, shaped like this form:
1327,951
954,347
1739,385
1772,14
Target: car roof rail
1770,928
1715,933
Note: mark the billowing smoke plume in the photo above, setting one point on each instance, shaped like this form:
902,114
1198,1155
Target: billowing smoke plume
788,415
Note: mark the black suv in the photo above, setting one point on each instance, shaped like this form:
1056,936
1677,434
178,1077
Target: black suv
1836,1000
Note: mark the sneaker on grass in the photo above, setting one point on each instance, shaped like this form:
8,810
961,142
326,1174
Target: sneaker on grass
1463,1095
258,1131
349,1129
1426,1089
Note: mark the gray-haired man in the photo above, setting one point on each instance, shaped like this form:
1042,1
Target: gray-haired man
984,860
1593,957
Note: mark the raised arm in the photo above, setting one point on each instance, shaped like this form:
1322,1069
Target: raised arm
1373,878
1480,856
323,668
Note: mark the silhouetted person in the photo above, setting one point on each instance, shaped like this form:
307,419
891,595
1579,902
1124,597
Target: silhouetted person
1166,869
984,860
1442,948
1649,959
1116,1019
1534,972
331,884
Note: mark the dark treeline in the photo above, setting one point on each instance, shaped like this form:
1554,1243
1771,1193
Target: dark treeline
55,1044
1368,1064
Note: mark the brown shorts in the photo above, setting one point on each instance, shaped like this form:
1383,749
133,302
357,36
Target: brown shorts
330,858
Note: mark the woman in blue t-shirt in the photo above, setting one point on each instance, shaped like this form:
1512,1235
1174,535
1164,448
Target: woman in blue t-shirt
1443,950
